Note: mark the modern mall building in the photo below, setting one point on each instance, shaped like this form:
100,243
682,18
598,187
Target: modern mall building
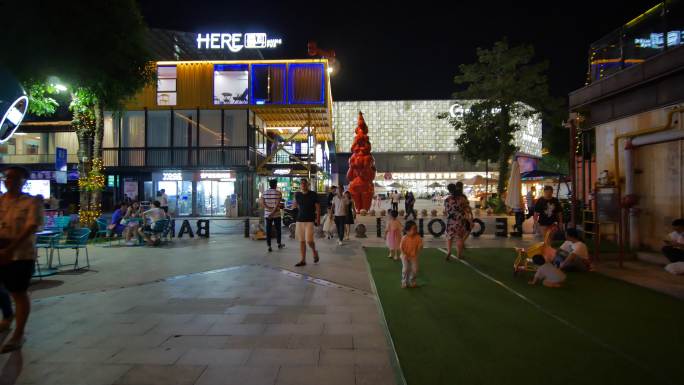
211,131
415,149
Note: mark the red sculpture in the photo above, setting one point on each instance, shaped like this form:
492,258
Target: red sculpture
361,168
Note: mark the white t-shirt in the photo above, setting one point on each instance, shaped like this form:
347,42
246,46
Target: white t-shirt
676,237
164,200
578,248
549,273
155,214
396,197
341,206
15,216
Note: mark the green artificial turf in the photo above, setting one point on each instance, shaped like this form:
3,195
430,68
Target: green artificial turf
458,327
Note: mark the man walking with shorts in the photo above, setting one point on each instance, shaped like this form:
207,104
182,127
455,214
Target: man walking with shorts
308,216
21,215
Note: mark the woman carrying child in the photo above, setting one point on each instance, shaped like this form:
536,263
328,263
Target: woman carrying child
393,235
411,245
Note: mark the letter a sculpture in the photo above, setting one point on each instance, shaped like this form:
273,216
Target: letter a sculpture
361,168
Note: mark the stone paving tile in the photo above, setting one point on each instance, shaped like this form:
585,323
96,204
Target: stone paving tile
249,309
336,318
236,329
375,375
372,329
370,341
68,374
188,328
299,329
238,376
338,341
70,354
145,341
220,318
187,342
332,357
316,375
161,375
272,357
155,356
277,318
219,357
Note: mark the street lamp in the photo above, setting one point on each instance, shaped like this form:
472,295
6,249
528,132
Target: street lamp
13,105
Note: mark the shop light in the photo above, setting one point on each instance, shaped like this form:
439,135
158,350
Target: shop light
172,176
223,176
282,171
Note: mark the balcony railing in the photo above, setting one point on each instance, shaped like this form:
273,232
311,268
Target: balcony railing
34,159
176,157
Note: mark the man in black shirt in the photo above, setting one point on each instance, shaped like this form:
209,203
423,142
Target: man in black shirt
308,216
331,196
547,211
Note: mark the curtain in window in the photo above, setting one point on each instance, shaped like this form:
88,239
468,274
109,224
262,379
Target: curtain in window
306,83
133,130
235,128
184,127
210,128
67,140
112,125
159,128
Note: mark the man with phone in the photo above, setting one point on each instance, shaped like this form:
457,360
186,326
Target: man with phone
308,216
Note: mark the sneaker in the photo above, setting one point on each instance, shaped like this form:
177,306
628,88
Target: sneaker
300,264
390,256
403,285
270,249
281,246
339,243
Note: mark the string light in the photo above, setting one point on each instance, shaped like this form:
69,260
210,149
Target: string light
94,181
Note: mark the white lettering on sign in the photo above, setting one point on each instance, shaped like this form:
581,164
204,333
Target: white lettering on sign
235,42
172,176
282,171
229,176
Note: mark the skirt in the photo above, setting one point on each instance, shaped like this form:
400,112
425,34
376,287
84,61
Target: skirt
393,239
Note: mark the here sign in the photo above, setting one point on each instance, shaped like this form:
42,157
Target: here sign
235,42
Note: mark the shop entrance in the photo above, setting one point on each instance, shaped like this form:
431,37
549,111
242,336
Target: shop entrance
180,196
212,196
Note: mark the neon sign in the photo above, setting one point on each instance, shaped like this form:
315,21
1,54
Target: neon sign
223,176
235,42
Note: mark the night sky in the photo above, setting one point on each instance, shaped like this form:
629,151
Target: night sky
393,51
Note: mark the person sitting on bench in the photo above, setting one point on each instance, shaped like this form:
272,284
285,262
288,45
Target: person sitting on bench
674,245
155,214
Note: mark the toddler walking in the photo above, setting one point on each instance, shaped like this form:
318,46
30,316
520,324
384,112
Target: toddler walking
411,245
393,235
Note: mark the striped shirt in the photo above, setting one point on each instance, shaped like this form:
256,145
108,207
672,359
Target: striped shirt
272,199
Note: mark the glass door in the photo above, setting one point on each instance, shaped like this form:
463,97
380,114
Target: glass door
180,196
212,196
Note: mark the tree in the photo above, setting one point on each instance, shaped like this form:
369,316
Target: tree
503,85
98,49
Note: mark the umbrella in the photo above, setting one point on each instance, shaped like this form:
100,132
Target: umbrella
540,174
396,185
479,180
435,185
514,187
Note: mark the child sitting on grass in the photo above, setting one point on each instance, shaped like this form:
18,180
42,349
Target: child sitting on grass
548,274
393,235
411,245
573,254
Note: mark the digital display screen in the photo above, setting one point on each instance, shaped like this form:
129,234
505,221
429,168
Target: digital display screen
33,187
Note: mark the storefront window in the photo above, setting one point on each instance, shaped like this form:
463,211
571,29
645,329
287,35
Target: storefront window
212,196
231,83
268,84
112,125
210,128
235,128
159,128
166,85
306,83
184,126
133,129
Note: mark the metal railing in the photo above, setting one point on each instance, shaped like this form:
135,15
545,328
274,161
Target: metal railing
176,157
34,158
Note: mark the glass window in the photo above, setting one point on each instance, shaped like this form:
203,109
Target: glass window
184,127
210,128
306,83
166,85
268,84
112,125
235,128
231,83
133,129
158,128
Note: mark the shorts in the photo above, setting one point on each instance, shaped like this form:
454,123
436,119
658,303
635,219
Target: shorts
304,231
16,276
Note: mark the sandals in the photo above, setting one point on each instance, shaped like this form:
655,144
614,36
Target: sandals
12,346
300,264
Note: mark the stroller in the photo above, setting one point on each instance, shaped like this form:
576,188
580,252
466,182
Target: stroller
523,259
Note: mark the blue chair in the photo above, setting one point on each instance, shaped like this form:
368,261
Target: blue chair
48,243
159,228
76,239
102,231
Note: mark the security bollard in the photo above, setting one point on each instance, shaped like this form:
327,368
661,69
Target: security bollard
378,231
420,227
247,228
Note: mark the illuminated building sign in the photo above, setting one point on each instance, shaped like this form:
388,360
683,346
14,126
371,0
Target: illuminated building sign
282,171
13,105
656,40
235,42
224,176
171,176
